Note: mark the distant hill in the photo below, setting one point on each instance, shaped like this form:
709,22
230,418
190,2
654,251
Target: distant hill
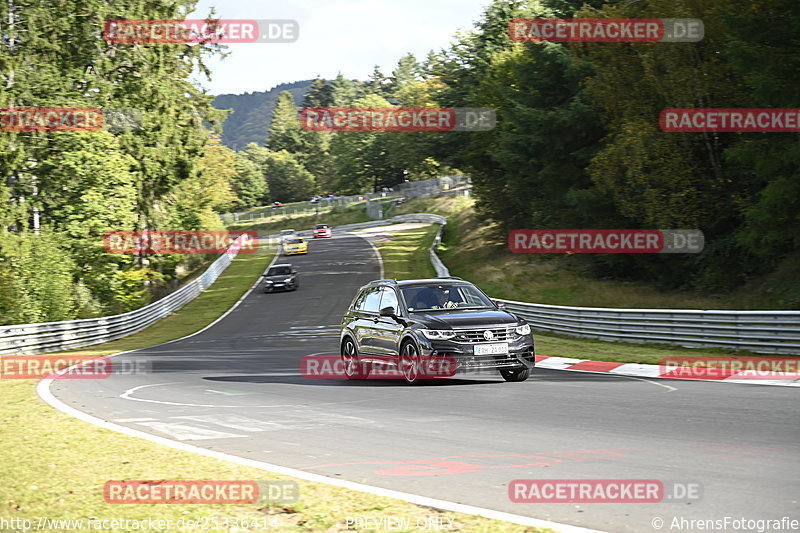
252,113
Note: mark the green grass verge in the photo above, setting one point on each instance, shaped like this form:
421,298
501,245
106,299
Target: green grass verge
55,466
406,255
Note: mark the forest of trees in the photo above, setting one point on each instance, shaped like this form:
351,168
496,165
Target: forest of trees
577,144
63,190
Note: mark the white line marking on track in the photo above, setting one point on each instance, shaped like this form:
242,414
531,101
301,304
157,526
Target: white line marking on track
241,423
377,254
647,381
653,382
185,432
127,395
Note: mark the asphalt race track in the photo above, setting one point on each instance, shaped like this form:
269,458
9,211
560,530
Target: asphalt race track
237,388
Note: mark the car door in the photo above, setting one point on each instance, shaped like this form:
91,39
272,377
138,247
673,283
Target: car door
367,310
387,329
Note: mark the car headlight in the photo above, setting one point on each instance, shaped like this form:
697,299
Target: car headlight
438,334
524,329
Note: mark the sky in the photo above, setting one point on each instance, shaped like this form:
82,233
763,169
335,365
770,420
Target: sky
347,36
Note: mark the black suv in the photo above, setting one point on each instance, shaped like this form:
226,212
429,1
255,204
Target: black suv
405,323
281,277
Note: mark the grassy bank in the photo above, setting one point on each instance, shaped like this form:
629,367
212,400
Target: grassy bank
56,466
406,255
471,250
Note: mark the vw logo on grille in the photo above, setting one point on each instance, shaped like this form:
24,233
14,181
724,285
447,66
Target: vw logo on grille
488,335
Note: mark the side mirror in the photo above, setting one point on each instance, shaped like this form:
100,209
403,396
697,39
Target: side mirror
387,311
501,306
294,271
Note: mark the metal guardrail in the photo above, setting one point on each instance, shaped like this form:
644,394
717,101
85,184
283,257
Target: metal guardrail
775,332
27,339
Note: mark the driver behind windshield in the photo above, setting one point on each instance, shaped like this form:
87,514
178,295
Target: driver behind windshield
430,298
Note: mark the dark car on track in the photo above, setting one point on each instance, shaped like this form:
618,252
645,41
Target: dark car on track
406,323
281,277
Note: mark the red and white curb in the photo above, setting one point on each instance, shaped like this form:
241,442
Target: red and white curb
656,371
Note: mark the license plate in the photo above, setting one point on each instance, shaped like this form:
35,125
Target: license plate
498,348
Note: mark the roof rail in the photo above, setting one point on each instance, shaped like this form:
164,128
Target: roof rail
451,277
383,280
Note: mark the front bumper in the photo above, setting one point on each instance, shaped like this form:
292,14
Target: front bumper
295,251
276,287
521,353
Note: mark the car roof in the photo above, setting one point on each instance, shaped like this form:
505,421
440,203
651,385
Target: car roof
425,281
281,265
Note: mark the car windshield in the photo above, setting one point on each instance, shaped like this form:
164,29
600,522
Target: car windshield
279,271
322,226
436,297
294,241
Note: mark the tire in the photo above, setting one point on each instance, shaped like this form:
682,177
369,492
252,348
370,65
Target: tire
410,362
515,374
353,368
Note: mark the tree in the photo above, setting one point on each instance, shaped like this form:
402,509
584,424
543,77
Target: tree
196,201
361,158
36,271
376,84
249,183
764,52
309,148
288,180
285,132
407,71
320,94
345,91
